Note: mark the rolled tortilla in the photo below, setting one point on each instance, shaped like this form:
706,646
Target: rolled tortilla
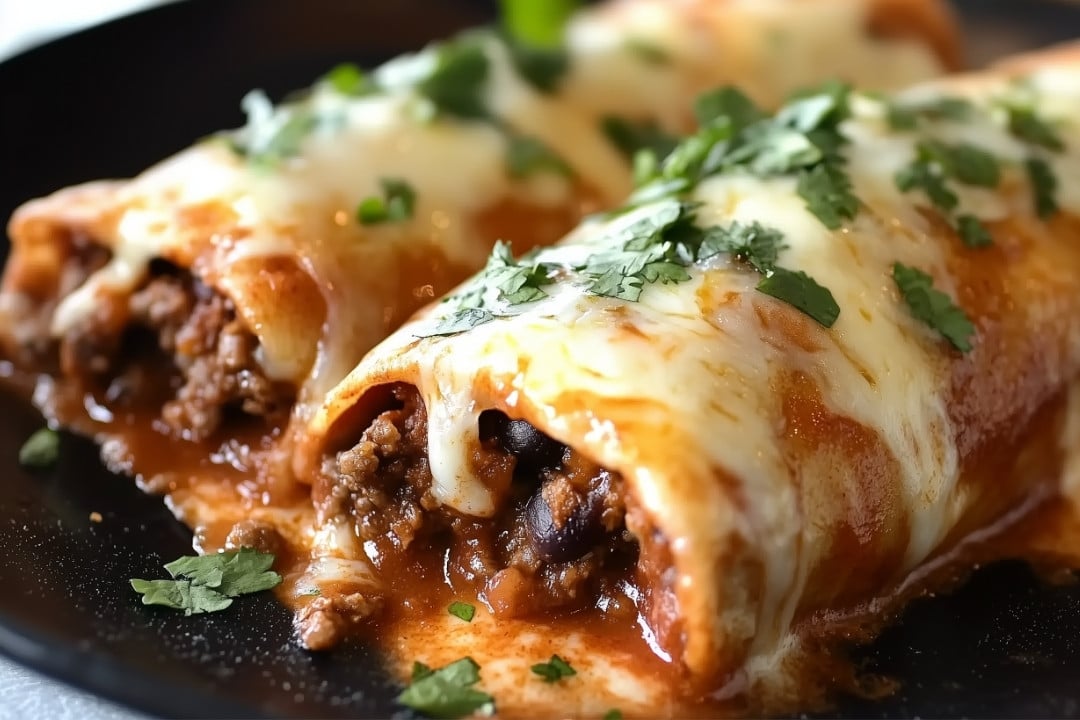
782,406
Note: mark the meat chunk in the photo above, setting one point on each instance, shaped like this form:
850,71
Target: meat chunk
325,621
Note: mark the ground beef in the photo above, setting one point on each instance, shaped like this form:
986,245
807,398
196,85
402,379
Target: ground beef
559,524
323,622
255,535
177,320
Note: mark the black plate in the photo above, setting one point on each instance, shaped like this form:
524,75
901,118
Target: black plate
112,100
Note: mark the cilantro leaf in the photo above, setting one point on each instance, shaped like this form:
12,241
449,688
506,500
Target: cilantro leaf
192,598
41,449
828,195
554,669
462,610
539,23
799,290
1026,125
396,205
458,322
446,692
964,162
280,145
527,155
824,107
754,244
921,175
456,85
542,67
208,583
1044,186
349,79
906,116
727,102
631,137
932,306
613,714
973,232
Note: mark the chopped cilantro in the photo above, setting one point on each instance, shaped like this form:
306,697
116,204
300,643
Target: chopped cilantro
349,79
828,195
1026,125
754,244
799,290
542,67
459,321
973,233
613,714
1043,186
631,137
906,116
41,449
290,127
447,692
964,162
730,103
554,669
462,610
527,155
923,176
208,583
396,205
456,85
648,51
539,23
932,306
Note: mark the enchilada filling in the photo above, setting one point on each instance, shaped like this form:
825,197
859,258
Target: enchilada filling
174,346
558,539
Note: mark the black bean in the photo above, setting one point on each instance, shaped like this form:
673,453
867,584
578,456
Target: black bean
533,449
581,530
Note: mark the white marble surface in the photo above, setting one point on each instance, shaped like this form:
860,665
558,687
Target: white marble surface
27,695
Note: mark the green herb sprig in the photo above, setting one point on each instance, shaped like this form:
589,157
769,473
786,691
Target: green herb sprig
447,692
208,583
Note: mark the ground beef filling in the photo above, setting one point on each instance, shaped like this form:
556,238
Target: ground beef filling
558,538
176,322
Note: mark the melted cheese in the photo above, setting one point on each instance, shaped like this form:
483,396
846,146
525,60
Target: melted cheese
680,387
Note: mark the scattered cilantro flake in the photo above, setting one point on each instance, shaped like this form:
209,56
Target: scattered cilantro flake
933,307
539,23
964,162
554,669
543,68
284,143
646,166
40,450
799,290
1026,125
349,79
730,103
973,233
922,176
462,610
207,583
447,692
828,195
648,51
459,321
631,137
754,244
456,85
396,205
613,714
906,116
823,107
527,155
1043,186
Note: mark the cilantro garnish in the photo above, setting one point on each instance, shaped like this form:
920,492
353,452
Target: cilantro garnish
802,292
932,306
554,669
1026,125
447,692
972,232
396,205
1043,186
613,714
631,137
527,155
728,103
40,450
349,79
539,23
964,162
828,195
456,85
906,116
462,610
924,176
755,244
542,67
285,140
208,583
